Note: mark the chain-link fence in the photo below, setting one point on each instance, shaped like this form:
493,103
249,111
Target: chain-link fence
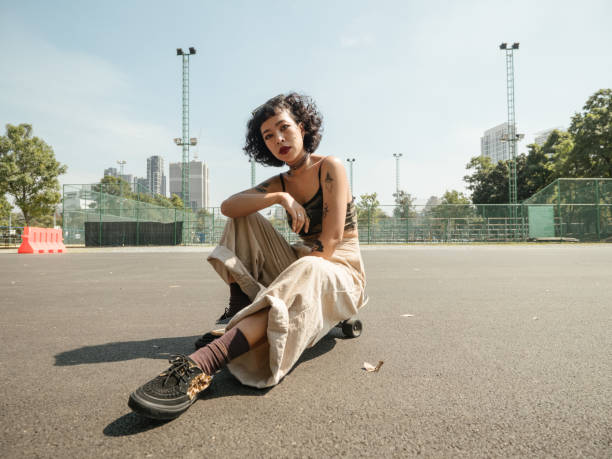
10,236
579,209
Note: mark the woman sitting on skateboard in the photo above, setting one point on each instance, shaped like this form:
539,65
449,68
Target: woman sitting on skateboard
283,298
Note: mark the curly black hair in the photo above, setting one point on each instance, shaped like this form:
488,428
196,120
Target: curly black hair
303,110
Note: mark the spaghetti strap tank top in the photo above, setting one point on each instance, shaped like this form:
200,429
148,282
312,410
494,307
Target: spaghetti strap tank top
314,210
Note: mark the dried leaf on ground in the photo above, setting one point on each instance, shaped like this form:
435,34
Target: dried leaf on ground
371,368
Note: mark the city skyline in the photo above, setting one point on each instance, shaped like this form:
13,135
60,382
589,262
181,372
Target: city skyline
394,77
171,183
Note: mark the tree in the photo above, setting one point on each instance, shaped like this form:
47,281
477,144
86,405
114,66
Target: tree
455,197
454,204
584,151
488,183
431,203
113,185
368,208
403,205
29,171
591,155
5,209
543,163
176,201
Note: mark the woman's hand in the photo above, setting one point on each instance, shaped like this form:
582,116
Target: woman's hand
298,214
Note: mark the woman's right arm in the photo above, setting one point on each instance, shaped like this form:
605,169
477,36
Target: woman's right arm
248,201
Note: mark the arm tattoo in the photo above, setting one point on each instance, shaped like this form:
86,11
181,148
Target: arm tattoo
262,187
318,246
328,182
325,210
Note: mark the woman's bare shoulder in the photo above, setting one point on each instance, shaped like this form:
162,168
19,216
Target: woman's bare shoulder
332,163
270,185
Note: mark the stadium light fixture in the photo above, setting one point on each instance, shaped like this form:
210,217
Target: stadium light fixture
192,50
503,46
351,162
179,52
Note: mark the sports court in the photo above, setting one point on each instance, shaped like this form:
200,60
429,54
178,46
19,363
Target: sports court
488,350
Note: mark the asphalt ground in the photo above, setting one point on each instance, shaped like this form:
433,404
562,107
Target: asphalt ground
489,351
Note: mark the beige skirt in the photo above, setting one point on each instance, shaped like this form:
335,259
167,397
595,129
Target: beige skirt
307,296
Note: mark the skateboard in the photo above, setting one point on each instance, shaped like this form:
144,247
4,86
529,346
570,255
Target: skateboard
351,328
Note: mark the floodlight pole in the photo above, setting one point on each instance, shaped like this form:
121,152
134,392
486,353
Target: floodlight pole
351,162
397,157
512,136
185,141
121,163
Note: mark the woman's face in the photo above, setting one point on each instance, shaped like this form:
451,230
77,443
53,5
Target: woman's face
283,137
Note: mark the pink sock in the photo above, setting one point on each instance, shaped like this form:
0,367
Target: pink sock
216,354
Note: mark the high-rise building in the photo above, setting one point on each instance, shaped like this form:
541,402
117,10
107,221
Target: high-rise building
198,183
128,178
155,175
141,185
542,136
175,179
492,146
112,171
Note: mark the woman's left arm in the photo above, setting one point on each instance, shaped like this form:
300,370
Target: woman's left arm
335,191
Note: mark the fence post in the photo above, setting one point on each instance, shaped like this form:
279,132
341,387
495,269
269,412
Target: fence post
597,209
175,226
138,220
559,207
369,223
100,219
212,237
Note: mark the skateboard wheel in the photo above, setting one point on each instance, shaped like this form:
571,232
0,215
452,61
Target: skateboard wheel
352,328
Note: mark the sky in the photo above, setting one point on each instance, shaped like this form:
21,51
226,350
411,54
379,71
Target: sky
101,82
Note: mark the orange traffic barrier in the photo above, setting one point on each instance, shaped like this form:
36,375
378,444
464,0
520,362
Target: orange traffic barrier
41,240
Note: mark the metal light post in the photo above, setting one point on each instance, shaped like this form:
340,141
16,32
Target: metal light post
351,162
512,136
397,157
185,141
121,163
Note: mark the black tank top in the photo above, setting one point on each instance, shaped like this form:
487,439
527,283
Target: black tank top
314,210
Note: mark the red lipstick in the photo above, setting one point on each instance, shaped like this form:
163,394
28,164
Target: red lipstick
284,150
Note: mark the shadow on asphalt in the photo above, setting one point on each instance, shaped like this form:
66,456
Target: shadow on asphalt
224,384
157,348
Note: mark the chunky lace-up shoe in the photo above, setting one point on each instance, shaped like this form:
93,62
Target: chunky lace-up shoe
172,392
226,317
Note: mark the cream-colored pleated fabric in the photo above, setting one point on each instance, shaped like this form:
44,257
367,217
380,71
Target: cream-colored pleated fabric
307,295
